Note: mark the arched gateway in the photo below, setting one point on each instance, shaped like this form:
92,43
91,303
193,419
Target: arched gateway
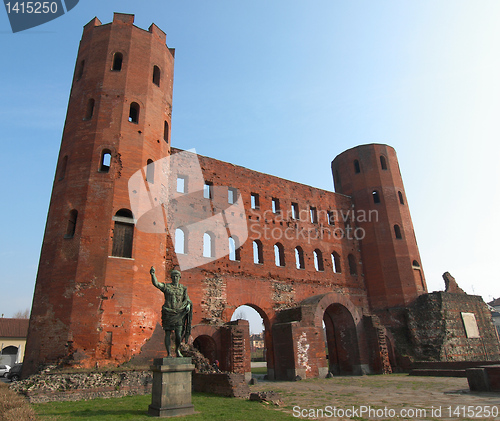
299,338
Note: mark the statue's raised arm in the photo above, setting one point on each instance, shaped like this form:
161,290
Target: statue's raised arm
154,281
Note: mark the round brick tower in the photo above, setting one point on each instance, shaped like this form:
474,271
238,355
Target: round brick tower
391,262
89,303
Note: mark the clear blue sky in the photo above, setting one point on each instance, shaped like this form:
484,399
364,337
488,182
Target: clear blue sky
282,87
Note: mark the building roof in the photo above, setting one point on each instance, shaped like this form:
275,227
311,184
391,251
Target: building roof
495,302
14,328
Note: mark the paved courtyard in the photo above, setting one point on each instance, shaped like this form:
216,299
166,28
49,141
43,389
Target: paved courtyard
385,397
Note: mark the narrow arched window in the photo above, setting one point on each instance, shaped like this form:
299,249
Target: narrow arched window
208,245
353,267
397,232
357,168
415,265
337,268
150,171
401,200
71,226
117,62
299,258
383,162
79,71
133,115
64,165
181,241
376,196
234,249
279,254
318,260
258,256
165,131
90,109
123,233
105,163
156,75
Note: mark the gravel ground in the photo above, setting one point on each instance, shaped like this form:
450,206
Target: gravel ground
388,397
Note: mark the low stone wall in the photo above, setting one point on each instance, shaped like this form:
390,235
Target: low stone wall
83,386
224,384
58,387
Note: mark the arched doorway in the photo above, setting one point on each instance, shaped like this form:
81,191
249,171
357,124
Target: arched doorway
207,346
262,357
341,340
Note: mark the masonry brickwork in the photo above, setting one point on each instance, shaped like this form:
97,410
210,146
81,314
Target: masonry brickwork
323,269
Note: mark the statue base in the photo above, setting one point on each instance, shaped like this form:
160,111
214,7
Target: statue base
171,387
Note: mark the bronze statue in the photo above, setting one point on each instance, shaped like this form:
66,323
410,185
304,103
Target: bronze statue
177,311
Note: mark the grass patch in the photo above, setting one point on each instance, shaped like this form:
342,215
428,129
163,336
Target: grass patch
259,370
208,406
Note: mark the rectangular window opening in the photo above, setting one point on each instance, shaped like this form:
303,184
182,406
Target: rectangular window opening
181,184
254,201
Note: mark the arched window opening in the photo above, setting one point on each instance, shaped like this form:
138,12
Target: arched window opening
208,245
150,171
123,234
299,258
401,200
117,61
279,254
397,232
376,196
64,165
105,163
181,241
71,227
165,131
383,162
79,72
234,249
156,75
415,265
318,261
337,268
353,267
133,115
357,168
90,109
258,257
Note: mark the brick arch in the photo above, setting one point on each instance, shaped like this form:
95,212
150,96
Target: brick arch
268,339
319,304
344,331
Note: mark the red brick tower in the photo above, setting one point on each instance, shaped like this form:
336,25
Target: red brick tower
391,262
89,303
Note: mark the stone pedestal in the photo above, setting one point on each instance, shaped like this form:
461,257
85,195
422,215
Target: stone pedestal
171,387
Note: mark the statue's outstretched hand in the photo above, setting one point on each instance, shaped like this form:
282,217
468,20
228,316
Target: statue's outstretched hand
152,270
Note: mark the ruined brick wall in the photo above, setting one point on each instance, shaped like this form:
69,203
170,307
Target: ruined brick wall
437,330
